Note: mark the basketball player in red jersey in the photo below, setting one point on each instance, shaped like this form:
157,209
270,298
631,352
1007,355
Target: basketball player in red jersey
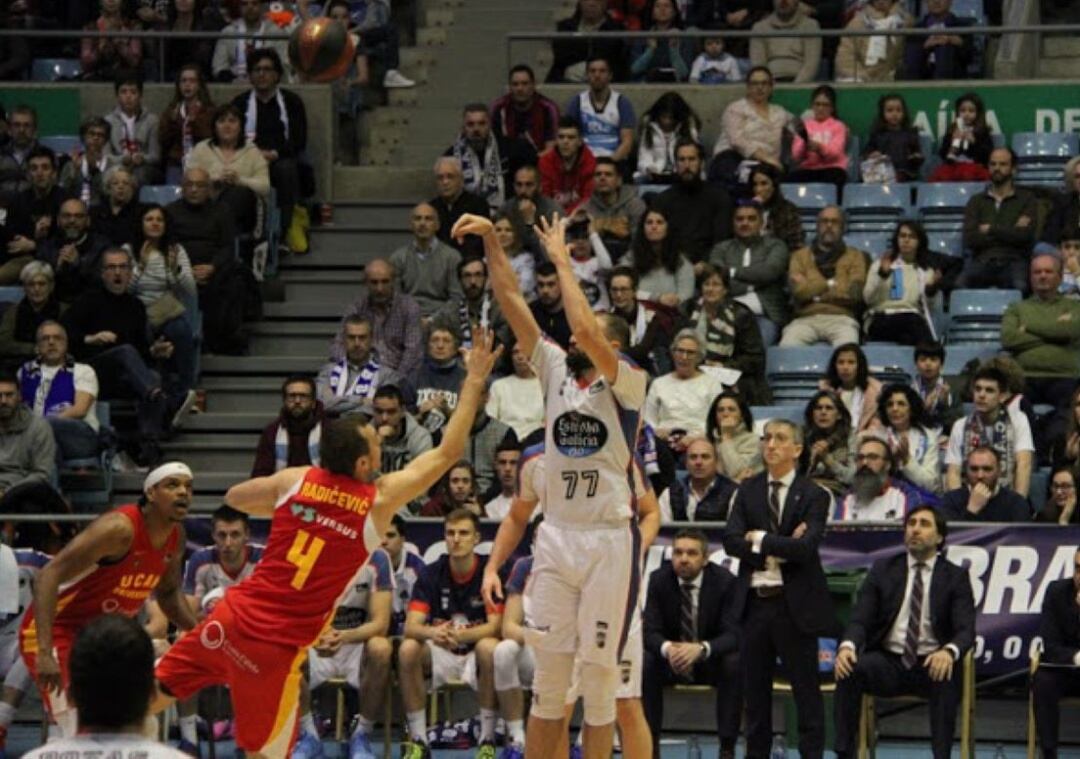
110,567
326,522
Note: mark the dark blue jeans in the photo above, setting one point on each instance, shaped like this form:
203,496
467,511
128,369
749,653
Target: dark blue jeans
184,359
123,374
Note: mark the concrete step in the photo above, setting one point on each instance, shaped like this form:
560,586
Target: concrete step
356,239
267,366
357,183
388,215
285,345
207,483
322,286
233,396
431,37
220,453
205,426
304,311
1058,68
1062,47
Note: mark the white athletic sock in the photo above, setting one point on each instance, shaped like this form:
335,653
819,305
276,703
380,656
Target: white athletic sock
7,714
307,725
189,729
516,729
417,722
363,725
487,724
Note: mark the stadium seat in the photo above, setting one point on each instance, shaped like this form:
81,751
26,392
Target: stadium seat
1043,155
162,194
810,196
890,363
61,144
55,69
875,207
975,315
793,372
875,243
946,244
762,414
941,204
957,356
11,294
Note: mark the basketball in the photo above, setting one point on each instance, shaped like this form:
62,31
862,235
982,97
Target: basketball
321,49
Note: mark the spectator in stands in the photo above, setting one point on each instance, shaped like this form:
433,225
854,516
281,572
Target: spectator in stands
1064,450
721,15
15,52
781,217
875,493
614,209
516,399
509,229
206,230
507,456
995,425
789,59
27,455
819,148
703,493
455,490
102,58
752,128
659,59
1062,226
32,214
651,325
567,172
940,406
985,496
547,309
589,259
118,218
401,436
525,114
464,314
488,159
395,321
348,386
826,281
83,176
186,121
914,445
1054,680
828,443
432,392
571,56
606,117
664,273
848,375
941,55
74,251
677,403
452,201
729,334
756,266
108,329
239,174
234,59
276,121
293,438
691,636
426,267
63,392
893,152
39,304
876,58
191,16
714,65
966,148
1043,334
898,288
22,132
133,130
730,427
1060,506
999,229
163,280
529,202
485,437
667,123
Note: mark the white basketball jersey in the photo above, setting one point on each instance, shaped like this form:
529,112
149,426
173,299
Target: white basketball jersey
589,441
105,746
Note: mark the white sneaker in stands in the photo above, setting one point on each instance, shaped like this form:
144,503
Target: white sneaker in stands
394,79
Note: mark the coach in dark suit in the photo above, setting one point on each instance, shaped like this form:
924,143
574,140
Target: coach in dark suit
775,526
1060,631
691,636
912,623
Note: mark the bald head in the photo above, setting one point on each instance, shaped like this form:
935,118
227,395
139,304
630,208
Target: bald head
425,223
449,179
196,186
380,281
1045,272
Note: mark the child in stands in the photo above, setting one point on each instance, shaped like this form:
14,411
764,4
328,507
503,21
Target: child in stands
893,142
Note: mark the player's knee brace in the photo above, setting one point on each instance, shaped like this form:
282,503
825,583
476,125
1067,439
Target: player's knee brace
551,682
506,657
598,686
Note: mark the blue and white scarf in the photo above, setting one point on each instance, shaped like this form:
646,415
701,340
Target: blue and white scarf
59,394
281,446
363,386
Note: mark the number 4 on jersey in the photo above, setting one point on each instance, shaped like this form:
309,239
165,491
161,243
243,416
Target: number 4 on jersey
304,556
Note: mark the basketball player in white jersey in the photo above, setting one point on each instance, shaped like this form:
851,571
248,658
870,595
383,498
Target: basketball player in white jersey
585,582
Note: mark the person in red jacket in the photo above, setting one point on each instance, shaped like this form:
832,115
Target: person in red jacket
566,173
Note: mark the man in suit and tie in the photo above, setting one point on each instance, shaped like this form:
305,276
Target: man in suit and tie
691,637
775,527
1060,631
912,623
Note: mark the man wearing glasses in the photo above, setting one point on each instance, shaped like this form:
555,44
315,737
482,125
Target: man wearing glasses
874,493
984,498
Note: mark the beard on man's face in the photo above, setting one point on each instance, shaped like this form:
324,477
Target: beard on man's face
867,484
577,362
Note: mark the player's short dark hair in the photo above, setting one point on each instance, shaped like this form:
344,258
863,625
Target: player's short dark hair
226,513
341,444
692,533
940,522
294,379
398,523
930,350
112,673
128,76
546,269
389,391
461,514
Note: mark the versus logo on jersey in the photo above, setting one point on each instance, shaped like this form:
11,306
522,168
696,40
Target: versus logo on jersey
577,435
306,513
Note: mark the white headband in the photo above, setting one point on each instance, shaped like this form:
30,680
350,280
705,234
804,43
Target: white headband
168,469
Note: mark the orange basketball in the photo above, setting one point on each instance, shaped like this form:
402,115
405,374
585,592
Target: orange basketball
322,49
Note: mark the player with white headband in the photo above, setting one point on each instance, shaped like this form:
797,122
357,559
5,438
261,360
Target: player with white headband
110,567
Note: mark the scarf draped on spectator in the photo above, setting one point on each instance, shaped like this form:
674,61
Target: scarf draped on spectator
717,332
131,145
87,174
363,384
59,393
187,138
281,446
483,177
936,397
877,49
465,322
251,117
997,436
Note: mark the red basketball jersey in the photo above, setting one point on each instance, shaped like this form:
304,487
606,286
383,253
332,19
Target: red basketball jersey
320,536
119,587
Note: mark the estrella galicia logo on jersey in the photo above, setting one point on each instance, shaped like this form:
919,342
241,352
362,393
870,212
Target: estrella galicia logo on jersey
306,514
601,634
577,435
624,671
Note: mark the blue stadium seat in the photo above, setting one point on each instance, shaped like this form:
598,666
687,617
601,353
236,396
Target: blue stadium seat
874,243
981,305
946,244
934,198
810,196
890,363
959,354
762,414
61,144
1045,147
162,194
12,294
55,69
875,207
793,373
